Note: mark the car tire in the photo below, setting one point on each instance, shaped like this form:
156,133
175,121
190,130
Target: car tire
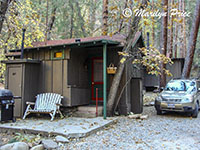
196,111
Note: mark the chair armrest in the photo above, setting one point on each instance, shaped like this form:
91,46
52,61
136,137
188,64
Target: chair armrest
58,104
30,103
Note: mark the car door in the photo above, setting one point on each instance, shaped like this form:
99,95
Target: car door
198,90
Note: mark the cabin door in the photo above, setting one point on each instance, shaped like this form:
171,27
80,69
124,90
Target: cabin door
14,83
97,78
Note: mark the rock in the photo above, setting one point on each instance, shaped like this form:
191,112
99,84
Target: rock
15,146
99,132
49,144
149,104
135,116
61,139
38,147
138,116
152,103
144,117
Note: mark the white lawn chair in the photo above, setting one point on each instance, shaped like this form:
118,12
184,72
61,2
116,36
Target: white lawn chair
48,103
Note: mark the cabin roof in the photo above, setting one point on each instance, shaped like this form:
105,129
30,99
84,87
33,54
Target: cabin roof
117,40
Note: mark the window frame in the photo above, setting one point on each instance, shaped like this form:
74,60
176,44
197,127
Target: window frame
57,58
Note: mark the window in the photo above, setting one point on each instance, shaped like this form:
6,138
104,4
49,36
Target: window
57,54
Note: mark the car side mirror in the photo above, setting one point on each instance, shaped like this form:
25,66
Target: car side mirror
158,90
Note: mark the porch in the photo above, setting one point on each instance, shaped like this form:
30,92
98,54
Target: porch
71,127
78,72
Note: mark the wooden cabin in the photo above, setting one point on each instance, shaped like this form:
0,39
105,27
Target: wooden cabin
152,82
74,68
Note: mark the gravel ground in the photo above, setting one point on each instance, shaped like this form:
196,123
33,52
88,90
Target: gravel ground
169,131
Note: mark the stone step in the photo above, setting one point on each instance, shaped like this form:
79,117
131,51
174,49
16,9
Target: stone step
88,111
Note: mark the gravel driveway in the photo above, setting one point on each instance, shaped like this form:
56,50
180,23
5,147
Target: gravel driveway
169,131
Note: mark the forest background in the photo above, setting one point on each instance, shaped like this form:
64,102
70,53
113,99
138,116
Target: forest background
62,19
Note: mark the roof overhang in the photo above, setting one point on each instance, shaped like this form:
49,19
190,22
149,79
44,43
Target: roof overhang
73,45
20,61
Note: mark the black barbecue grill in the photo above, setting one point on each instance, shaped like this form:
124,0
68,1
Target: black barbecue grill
7,105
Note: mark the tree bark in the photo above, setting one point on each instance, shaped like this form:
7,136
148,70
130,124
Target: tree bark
51,23
81,19
47,17
153,29
118,75
3,9
105,17
171,32
164,44
192,42
93,16
122,20
184,33
176,40
180,31
130,20
71,19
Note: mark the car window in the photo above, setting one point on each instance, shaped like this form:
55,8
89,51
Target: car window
189,86
176,86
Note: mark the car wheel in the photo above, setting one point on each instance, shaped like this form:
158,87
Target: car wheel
159,112
196,111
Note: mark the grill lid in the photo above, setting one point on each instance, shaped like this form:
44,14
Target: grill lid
5,93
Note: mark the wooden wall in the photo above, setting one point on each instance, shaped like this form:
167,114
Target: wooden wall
64,76
175,69
22,79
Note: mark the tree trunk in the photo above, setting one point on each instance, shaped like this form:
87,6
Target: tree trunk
184,33
81,19
118,75
153,29
71,19
3,8
180,31
164,44
122,20
171,32
176,40
130,19
192,42
105,17
47,17
51,22
93,16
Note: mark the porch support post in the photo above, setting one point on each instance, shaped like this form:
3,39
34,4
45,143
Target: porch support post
104,79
